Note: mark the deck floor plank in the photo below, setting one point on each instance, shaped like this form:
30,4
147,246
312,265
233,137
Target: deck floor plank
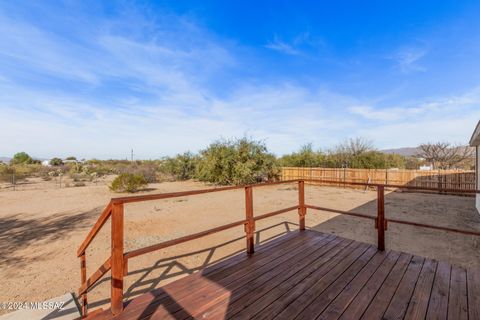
438,304
338,306
361,302
321,302
317,286
310,275
417,308
399,303
248,294
201,300
382,299
457,302
250,305
182,290
473,284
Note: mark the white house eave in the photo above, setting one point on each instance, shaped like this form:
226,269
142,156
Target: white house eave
475,140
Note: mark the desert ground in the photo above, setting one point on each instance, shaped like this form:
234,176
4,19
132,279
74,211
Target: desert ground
42,225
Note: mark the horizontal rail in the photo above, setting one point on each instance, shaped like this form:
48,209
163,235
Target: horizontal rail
96,227
355,214
396,186
416,224
173,242
274,213
160,196
95,277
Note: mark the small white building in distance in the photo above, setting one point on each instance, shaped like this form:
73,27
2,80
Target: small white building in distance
475,142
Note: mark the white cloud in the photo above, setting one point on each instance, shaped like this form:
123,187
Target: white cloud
449,118
281,46
408,60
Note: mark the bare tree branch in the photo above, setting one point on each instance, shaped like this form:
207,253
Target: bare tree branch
355,146
443,155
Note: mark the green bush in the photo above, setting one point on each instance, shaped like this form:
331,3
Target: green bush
128,182
181,167
240,161
305,157
23,158
56,162
355,153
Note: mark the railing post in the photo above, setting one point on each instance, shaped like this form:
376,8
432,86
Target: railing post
117,259
302,211
83,273
380,223
250,224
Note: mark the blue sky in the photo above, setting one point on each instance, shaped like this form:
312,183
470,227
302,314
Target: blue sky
95,79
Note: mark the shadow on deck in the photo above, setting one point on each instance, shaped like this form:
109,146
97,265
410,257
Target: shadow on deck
312,275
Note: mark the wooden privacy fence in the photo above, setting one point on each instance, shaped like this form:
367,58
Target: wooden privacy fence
117,263
438,179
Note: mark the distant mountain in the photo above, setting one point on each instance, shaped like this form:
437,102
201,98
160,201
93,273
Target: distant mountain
5,159
406,152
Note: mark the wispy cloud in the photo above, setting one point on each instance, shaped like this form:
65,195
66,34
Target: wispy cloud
298,45
434,108
282,46
407,60
449,118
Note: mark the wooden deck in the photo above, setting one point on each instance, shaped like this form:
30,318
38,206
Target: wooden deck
310,275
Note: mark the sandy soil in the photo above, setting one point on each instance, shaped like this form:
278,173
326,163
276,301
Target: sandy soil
41,229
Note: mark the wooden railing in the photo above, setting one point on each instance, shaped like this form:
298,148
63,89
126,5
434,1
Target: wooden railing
118,260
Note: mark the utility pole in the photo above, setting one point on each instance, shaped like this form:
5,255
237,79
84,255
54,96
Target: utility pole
132,156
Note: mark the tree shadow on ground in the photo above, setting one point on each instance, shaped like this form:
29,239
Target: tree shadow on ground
17,232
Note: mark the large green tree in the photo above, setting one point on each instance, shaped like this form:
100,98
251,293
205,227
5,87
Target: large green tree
22,158
239,161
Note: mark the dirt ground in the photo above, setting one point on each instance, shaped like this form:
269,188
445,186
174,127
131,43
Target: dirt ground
42,226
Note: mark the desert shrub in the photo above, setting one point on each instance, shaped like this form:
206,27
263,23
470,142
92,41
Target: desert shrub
148,171
181,167
354,153
22,158
305,157
21,172
128,182
74,168
6,174
240,161
56,162
79,184
79,177
106,167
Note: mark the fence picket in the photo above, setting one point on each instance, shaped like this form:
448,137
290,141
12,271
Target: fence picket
443,179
